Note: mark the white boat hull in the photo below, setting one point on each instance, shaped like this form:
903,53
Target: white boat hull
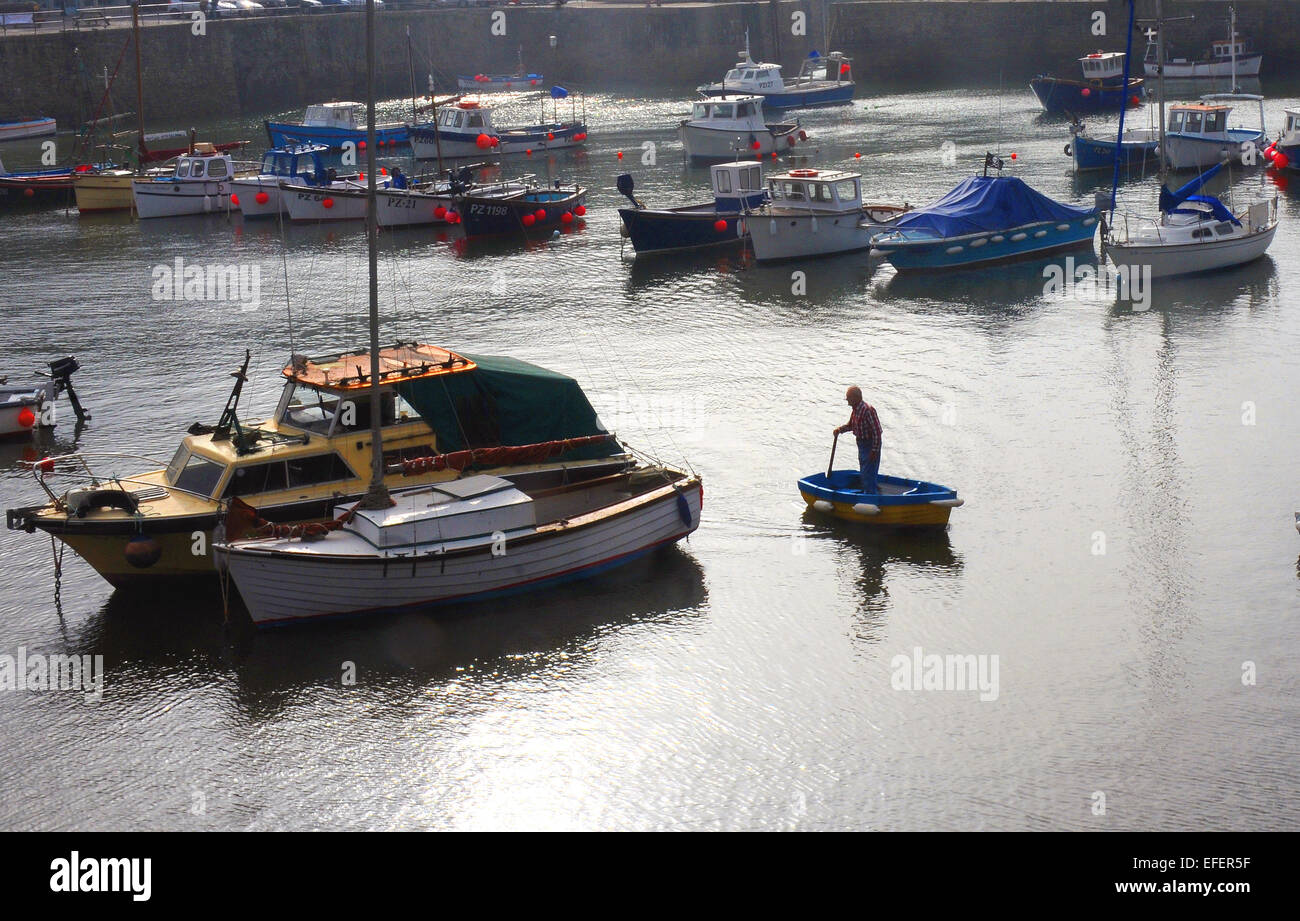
248,189
304,204
281,586
399,208
794,236
1188,258
13,400
177,199
1184,153
703,143
1247,66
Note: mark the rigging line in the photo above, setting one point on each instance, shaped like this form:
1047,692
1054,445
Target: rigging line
1123,108
284,262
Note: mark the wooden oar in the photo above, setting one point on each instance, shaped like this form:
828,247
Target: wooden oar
831,464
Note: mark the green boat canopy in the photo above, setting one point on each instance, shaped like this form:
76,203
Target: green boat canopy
509,402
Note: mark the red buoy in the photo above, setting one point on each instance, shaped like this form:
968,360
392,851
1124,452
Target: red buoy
755,146
361,145
580,210
261,198
45,465
1086,92
453,217
440,212
26,418
483,142
540,214
528,220
566,218
327,203
1281,160
529,151
720,225
550,135
234,200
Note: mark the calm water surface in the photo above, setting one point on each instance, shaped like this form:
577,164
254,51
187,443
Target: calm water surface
742,680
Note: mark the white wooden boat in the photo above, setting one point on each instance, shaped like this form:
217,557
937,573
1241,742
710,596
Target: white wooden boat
815,213
202,183
822,81
261,194
728,127
467,129
28,407
1228,57
342,200
462,540
1199,134
437,202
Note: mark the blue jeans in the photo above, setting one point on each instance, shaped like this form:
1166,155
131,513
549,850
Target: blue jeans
868,467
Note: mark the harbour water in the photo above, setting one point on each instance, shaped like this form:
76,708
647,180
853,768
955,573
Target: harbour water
1126,550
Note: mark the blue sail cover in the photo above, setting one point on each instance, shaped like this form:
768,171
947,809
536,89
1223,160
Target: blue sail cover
987,204
1171,200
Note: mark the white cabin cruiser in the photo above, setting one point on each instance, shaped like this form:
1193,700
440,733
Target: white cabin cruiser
821,81
815,213
201,184
467,129
725,127
1198,134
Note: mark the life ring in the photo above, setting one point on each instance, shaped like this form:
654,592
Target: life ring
107,498
803,173
468,104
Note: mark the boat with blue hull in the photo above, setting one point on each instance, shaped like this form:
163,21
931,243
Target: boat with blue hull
985,220
897,502
1102,88
1139,146
302,164
737,186
539,210
335,124
822,81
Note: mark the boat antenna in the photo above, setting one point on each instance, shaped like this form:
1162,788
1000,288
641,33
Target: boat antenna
376,496
142,149
1123,107
1232,45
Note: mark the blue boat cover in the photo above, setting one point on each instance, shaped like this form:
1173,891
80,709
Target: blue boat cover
987,204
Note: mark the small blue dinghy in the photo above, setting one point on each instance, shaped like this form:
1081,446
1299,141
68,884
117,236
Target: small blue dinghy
898,502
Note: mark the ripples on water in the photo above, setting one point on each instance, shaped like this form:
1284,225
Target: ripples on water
742,680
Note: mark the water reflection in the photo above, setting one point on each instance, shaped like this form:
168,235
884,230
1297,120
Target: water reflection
182,637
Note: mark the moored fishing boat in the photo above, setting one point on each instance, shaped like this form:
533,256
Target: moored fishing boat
1287,144
822,81
37,187
340,199
1095,152
811,212
1199,134
335,124
897,503
261,195
1227,57
438,202
736,186
466,129
201,183
538,209
984,220
1103,86
306,457
726,127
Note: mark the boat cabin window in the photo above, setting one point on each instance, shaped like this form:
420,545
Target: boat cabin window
847,190
354,414
1214,121
182,169
475,121
790,191
820,192
199,475
723,110
724,182
699,110
763,74
744,110
217,169
1176,121
196,169
460,119
1223,228
732,75
251,479
310,409
751,179
1290,123
317,468
1201,233
1192,125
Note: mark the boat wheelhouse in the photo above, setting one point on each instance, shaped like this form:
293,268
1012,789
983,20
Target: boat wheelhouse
314,453
810,212
301,164
201,183
335,124
737,186
1199,135
1101,89
728,127
822,80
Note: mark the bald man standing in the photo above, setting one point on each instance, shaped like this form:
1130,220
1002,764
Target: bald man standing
865,425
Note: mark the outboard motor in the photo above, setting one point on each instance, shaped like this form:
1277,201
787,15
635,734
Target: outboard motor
626,187
61,372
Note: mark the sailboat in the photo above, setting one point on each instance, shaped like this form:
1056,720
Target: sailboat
1194,232
456,540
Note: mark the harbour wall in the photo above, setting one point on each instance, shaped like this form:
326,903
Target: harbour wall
283,62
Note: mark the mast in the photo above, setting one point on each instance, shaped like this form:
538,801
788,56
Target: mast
1160,86
377,495
141,149
1232,44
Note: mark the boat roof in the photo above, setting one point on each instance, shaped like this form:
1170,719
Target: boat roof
1102,56
351,370
1248,97
1198,107
730,97
818,175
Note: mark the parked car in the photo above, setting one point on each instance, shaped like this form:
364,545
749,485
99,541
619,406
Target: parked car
305,6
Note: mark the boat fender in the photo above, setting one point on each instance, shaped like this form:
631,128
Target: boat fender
142,551
866,508
83,501
1067,150
683,508
823,506
948,503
